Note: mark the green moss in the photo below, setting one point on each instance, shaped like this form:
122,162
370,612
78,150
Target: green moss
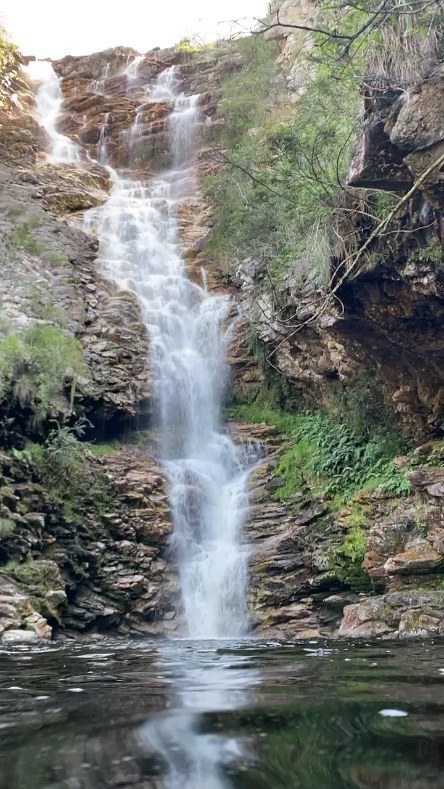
356,518
10,566
104,448
42,575
56,257
344,561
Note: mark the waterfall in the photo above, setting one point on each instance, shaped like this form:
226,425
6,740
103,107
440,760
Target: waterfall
99,85
102,151
140,249
49,100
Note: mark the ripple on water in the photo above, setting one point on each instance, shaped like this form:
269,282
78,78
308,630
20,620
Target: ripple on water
202,714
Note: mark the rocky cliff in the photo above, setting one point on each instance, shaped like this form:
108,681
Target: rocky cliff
85,528
369,334
95,555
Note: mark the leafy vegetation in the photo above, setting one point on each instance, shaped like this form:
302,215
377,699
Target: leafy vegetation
104,448
273,196
355,545
23,237
334,458
34,364
280,196
9,63
190,44
66,473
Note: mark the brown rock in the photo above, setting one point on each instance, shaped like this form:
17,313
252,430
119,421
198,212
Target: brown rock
420,121
418,557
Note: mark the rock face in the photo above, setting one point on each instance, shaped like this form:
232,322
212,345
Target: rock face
96,569
385,321
50,273
403,134
106,564
303,581
97,559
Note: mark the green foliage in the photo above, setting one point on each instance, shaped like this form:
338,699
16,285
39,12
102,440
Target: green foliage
23,237
7,526
251,94
360,405
333,458
355,545
9,64
46,311
103,448
273,198
65,470
56,257
34,364
61,459
190,44
279,197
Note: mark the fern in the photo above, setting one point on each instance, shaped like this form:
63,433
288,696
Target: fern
331,457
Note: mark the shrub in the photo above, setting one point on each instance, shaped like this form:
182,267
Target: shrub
190,44
23,237
355,545
34,364
407,49
279,198
9,65
273,197
65,471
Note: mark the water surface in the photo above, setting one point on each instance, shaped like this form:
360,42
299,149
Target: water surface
205,715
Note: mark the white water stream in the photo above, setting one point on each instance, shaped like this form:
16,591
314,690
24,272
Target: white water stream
140,250
49,100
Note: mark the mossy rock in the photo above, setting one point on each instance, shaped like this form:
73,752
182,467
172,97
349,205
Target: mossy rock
42,573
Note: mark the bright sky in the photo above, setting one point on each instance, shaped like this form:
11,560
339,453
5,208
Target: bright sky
53,28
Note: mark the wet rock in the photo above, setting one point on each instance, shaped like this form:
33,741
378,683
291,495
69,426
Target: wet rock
95,571
19,636
19,621
367,620
400,614
246,372
70,188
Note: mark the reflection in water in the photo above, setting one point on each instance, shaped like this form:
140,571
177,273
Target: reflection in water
192,757
252,715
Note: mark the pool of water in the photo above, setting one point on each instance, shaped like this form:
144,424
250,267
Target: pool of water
205,715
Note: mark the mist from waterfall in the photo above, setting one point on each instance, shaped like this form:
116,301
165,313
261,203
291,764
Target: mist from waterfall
140,250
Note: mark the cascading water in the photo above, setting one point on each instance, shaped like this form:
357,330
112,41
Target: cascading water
99,85
49,100
102,152
139,248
